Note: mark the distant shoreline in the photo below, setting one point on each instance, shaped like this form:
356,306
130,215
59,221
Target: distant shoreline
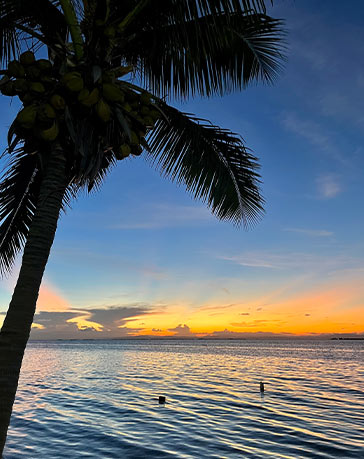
181,338
347,339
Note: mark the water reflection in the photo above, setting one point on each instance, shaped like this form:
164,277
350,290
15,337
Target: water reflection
100,399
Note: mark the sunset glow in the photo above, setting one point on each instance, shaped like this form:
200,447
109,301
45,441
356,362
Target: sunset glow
141,258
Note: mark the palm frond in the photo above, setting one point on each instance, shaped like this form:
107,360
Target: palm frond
9,38
20,19
19,192
211,162
19,189
96,180
211,55
177,11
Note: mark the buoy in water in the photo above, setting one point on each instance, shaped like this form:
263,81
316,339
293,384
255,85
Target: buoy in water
261,386
162,399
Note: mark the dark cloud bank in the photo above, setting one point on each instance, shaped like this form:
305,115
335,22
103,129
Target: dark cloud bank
114,320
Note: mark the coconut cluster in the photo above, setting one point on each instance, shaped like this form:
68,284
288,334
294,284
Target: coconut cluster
46,96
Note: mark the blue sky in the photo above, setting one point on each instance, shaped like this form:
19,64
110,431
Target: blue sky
143,243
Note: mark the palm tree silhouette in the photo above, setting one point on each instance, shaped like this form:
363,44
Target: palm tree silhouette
102,96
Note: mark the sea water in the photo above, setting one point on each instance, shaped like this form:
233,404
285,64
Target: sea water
99,399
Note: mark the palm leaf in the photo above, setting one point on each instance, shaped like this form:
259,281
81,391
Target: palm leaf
210,55
178,11
19,192
19,189
23,18
211,162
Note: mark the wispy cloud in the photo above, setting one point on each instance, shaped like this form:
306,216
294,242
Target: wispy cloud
310,232
256,323
167,216
328,186
315,134
297,260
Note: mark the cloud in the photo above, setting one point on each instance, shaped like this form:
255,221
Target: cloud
39,326
83,323
310,232
310,130
87,329
294,260
314,134
182,330
107,322
224,306
253,260
256,323
117,316
167,216
328,186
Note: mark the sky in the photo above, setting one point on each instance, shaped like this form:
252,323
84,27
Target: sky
142,258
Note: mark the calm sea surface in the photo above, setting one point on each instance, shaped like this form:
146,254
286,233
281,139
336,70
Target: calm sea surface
87,399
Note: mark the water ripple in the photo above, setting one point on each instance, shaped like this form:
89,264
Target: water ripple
99,400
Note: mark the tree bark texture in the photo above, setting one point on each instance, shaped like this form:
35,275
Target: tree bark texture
18,321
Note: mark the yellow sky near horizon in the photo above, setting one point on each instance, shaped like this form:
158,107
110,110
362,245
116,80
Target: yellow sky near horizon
334,307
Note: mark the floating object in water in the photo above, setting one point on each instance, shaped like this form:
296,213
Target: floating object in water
261,386
162,399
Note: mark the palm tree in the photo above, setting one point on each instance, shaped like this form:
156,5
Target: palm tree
102,96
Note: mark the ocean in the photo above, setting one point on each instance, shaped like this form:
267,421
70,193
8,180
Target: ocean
99,399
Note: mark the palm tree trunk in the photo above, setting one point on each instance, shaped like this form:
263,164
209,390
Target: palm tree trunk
17,325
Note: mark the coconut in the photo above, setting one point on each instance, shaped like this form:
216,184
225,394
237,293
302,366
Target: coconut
74,84
69,76
103,111
20,85
44,65
27,58
26,117
33,73
45,113
49,134
47,80
90,99
83,94
37,87
58,102
8,89
15,69
122,152
136,150
134,139
112,93
27,98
